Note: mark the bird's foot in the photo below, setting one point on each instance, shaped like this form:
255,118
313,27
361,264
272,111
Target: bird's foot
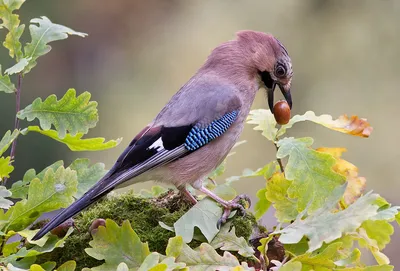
235,204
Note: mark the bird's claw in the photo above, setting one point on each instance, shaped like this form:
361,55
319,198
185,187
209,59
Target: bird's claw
233,205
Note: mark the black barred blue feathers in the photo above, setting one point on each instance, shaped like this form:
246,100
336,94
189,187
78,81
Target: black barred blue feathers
199,137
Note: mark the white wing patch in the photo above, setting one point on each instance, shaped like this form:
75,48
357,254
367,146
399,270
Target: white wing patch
157,144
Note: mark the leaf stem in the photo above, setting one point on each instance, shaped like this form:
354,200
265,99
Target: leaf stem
279,160
16,122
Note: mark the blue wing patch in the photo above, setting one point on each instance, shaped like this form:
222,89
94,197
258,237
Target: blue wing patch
199,137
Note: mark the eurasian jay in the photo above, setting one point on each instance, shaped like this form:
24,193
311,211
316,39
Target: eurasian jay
197,128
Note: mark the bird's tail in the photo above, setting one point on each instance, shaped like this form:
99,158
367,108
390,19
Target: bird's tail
112,179
101,188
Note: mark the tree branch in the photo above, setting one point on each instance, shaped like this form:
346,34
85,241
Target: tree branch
16,122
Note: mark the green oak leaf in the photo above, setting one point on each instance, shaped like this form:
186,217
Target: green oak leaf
115,244
7,140
52,243
323,260
204,215
265,122
20,189
366,242
325,225
43,31
262,205
266,172
28,235
67,266
10,248
11,23
313,179
76,143
204,258
70,114
228,241
263,248
48,266
120,267
277,193
17,68
54,191
5,167
154,262
87,175
291,266
5,83
36,267
4,193
353,258
378,230
384,267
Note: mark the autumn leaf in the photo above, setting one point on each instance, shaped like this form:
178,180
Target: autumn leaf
349,125
356,184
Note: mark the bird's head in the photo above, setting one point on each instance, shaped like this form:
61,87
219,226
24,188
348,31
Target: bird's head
271,60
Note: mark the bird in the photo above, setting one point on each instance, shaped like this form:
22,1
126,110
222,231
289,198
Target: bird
197,128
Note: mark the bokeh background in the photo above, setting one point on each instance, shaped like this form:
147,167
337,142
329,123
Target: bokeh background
138,53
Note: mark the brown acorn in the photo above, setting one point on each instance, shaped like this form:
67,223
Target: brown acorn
95,224
282,112
62,229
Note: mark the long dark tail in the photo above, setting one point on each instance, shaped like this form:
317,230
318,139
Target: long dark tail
108,183
86,200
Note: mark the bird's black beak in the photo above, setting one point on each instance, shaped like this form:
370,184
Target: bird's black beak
270,85
285,92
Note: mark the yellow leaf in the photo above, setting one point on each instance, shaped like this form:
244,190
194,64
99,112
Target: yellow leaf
356,184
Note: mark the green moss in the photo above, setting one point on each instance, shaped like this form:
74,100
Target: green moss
144,215
244,225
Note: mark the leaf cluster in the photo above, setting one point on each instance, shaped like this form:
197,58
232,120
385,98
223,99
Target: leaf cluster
324,217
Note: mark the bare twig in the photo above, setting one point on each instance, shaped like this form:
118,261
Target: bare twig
16,122
279,160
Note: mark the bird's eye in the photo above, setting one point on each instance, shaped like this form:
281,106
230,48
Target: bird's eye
280,70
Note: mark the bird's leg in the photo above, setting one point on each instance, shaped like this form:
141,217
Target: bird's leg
187,194
228,205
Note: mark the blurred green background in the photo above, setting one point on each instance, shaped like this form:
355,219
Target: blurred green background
138,53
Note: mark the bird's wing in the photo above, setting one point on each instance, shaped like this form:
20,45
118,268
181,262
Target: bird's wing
156,145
